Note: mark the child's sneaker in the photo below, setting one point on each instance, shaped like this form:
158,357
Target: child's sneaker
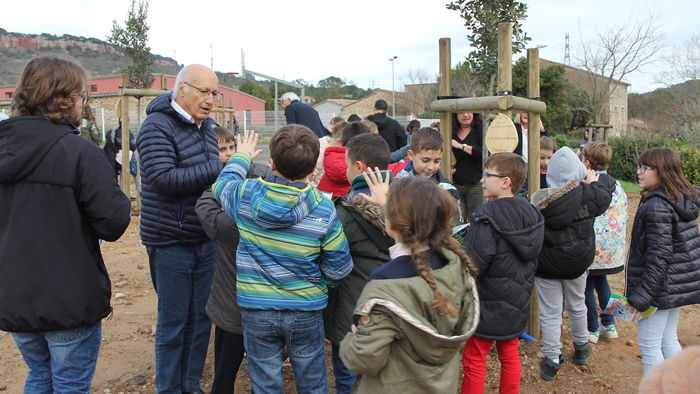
593,336
549,369
609,332
581,353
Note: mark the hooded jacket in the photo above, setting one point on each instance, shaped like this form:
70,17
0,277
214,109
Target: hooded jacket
663,268
390,130
438,178
222,307
334,179
406,347
58,198
178,162
569,239
363,224
504,241
292,246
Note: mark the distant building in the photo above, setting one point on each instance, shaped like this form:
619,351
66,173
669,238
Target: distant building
330,108
365,105
104,94
616,107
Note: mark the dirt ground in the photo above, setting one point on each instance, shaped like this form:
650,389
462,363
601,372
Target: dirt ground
126,362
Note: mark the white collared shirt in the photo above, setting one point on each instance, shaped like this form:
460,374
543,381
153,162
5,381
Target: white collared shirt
184,113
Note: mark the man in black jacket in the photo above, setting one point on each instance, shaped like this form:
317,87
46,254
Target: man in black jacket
179,160
296,112
389,129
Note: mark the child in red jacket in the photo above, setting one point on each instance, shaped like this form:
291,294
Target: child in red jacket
334,180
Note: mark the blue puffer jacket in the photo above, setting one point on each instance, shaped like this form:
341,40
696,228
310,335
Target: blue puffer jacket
178,162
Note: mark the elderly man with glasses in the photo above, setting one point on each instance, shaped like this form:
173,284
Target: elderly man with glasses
179,160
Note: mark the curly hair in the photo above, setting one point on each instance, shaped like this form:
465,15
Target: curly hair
422,230
49,87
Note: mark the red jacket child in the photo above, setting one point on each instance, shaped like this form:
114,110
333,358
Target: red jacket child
334,179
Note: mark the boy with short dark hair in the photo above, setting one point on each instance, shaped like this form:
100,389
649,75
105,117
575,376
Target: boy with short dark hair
363,224
610,232
503,241
569,206
292,248
425,155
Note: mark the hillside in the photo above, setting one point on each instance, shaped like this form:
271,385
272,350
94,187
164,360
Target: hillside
97,56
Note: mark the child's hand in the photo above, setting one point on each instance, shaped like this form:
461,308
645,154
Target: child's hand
247,144
592,176
378,187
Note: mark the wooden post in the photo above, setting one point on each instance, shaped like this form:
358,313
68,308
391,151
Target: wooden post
445,68
533,138
505,58
533,166
125,147
164,82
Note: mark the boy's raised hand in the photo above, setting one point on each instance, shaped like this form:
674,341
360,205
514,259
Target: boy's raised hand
592,176
247,143
378,187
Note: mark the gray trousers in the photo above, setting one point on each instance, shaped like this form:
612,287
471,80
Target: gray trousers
552,295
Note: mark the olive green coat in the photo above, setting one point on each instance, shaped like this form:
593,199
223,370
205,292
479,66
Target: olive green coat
405,347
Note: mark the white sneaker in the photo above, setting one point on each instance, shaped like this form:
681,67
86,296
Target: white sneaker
609,332
593,336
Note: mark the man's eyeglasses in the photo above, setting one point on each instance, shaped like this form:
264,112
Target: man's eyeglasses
488,174
205,92
85,98
643,168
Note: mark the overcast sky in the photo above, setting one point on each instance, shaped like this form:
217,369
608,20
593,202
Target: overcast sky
314,39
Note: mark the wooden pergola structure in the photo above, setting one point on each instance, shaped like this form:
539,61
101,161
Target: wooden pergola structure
503,102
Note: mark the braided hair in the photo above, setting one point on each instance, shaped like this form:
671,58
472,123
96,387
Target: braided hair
421,213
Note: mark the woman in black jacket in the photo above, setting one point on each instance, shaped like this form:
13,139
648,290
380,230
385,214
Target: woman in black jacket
59,198
467,143
663,269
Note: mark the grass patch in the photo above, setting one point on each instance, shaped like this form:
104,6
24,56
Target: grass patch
630,187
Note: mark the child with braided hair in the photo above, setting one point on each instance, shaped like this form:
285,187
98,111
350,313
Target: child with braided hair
418,310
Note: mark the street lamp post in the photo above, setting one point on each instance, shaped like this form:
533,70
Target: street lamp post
393,91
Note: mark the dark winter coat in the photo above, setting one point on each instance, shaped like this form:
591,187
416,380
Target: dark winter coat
504,241
178,162
58,198
304,114
663,269
363,225
390,130
569,239
222,307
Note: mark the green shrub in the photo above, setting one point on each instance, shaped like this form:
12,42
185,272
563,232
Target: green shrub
626,150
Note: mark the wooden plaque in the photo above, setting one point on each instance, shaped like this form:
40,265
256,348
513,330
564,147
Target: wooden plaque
501,135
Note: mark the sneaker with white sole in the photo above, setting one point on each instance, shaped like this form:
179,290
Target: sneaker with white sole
593,336
609,332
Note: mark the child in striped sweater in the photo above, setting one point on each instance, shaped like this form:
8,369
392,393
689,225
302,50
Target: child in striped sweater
292,248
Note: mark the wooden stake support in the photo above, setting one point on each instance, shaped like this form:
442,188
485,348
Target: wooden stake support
503,102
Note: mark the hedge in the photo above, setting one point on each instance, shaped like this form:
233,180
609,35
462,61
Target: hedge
626,150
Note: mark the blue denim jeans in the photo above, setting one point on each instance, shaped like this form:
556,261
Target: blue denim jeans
60,361
599,284
182,276
267,332
344,378
657,337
